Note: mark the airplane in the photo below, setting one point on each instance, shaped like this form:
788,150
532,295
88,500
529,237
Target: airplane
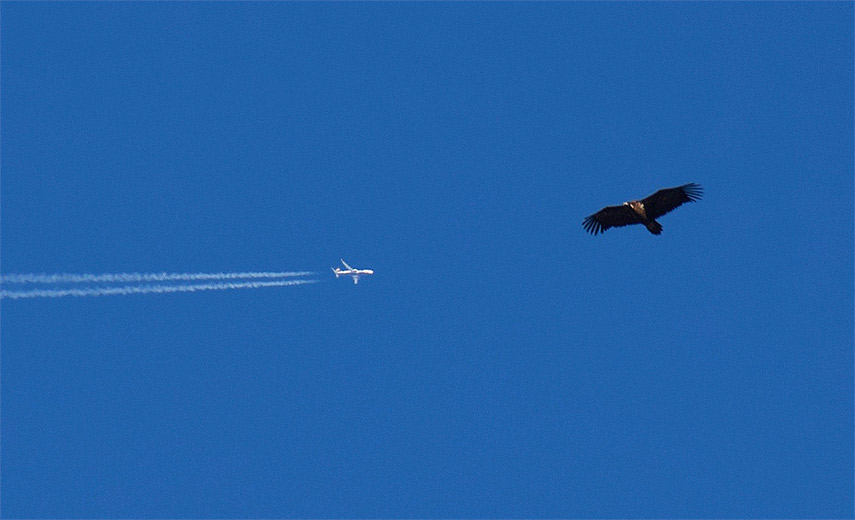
355,273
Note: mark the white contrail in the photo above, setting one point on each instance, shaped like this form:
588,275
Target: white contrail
145,289
142,277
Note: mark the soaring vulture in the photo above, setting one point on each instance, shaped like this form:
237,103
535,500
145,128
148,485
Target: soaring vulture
644,211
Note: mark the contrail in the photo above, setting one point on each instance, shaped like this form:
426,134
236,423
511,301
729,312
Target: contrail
146,289
142,277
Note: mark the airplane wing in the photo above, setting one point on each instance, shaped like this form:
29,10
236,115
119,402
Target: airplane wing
345,264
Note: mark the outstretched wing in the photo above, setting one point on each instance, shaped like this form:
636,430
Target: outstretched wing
668,199
345,264
608,217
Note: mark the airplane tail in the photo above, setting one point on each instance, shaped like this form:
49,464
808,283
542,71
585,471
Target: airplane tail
334,271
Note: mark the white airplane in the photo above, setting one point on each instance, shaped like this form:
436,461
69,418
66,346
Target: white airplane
355,273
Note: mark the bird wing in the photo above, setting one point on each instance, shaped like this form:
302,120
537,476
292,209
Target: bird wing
611,216
668,199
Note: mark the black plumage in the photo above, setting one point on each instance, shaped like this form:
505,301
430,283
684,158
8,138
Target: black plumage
644,211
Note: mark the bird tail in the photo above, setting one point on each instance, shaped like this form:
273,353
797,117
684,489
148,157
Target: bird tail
654,227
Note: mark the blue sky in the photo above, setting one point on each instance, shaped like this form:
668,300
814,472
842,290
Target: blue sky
502,362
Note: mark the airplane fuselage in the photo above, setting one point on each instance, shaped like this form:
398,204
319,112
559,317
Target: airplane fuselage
355,273
352,272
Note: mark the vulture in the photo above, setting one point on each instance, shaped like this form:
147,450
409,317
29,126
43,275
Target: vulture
644,211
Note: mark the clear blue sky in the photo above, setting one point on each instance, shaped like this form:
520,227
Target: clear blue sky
502,362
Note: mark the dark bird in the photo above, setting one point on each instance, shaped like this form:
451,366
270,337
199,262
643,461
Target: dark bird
644,211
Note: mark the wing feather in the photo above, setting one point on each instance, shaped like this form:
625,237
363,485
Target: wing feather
609,217
668,199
